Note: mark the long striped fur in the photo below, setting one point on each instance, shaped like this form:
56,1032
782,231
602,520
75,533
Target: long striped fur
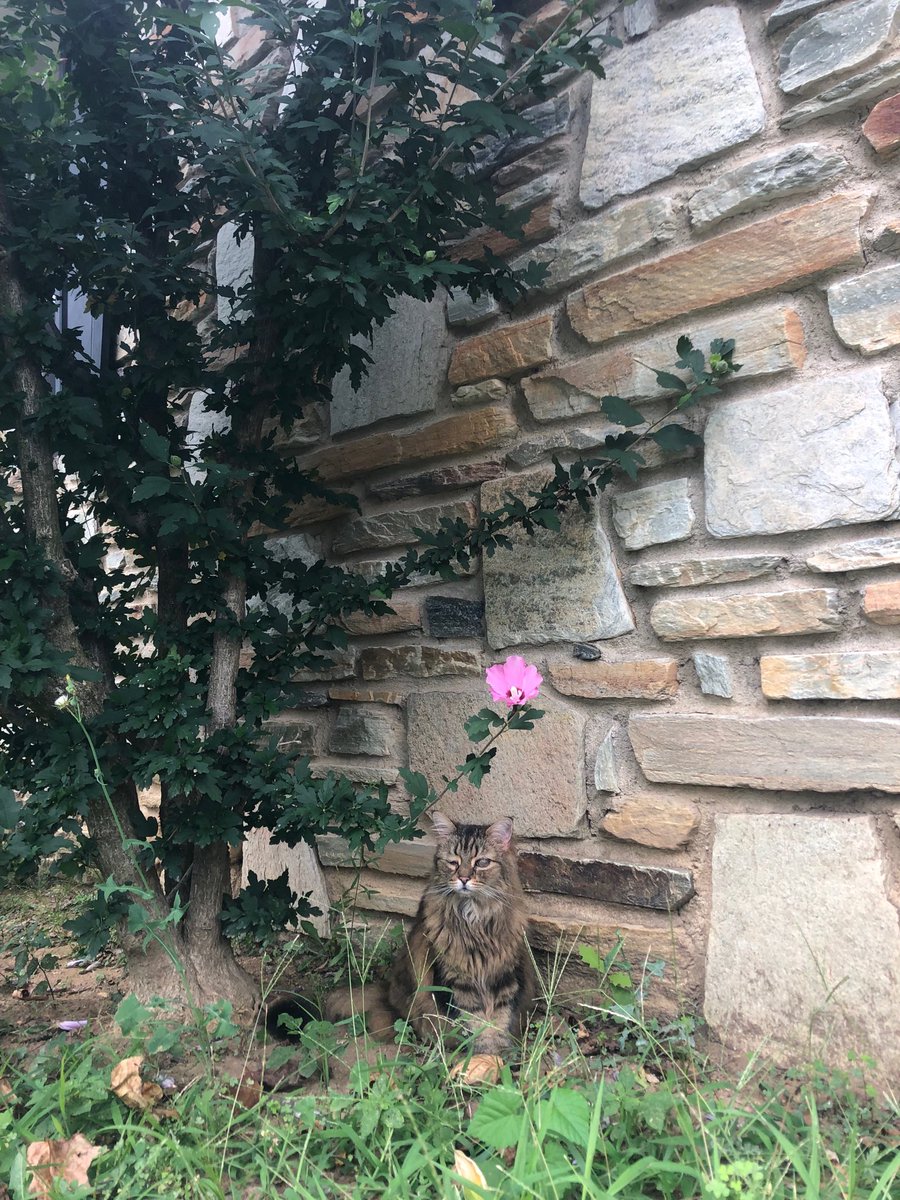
466,968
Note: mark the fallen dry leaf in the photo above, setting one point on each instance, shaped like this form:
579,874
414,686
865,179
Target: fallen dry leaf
67,1160
481,1068
469,1170
127,1084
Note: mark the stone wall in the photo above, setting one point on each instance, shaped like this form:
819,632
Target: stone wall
718,772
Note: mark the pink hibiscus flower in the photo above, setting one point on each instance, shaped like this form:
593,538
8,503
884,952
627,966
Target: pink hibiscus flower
515,682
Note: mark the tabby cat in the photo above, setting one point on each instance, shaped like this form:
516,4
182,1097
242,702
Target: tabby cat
466,961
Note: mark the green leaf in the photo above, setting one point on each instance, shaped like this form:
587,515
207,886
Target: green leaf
675,437
568,1114
416,783
10,809
130,1015
499,1118
620,411
669,382
153,485
155,444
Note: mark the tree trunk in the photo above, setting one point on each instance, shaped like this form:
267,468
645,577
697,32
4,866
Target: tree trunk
192,966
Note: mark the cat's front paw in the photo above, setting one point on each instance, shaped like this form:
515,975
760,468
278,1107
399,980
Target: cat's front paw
480,1068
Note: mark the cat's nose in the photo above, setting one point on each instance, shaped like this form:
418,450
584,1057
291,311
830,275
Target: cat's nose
464,879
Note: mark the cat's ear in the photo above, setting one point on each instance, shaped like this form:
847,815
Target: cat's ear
500,833
443,826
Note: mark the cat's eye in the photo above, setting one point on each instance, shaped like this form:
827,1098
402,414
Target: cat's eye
452,863
483,862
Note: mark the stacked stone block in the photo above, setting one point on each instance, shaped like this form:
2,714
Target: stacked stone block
718,771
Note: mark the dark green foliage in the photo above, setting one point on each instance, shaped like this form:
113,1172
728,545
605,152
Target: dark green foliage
116,175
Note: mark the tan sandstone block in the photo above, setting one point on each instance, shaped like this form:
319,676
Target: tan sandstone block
651,821
881,602
398,858
407,615
810,610
882,126
364,695
421,662
782,250
768,343
543,221
502,352
782,754
462,433
842,675
536,776
639,679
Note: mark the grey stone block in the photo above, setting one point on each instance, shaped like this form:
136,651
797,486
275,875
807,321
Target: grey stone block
667,104
827,452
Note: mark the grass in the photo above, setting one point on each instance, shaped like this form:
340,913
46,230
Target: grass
601,1104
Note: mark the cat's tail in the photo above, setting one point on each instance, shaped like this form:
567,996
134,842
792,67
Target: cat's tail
372,1000
288,1004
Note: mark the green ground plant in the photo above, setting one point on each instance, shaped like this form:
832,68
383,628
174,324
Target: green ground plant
390,1122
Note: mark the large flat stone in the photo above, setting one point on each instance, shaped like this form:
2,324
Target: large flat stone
410,353
463,433
784,250
268,859
826,449
881,602
690,572
536,777
397,527
650,516
592,245
548,120
234,270
540,223
663,888
551,586
858,556
756,614
807,900
437,480
359,730
834,42
790,754
866,310
791,10
406,615
662,823
790,171
839,675
852,93
502,352
398,858
882,126
666,104
641,679
767,343
421,662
